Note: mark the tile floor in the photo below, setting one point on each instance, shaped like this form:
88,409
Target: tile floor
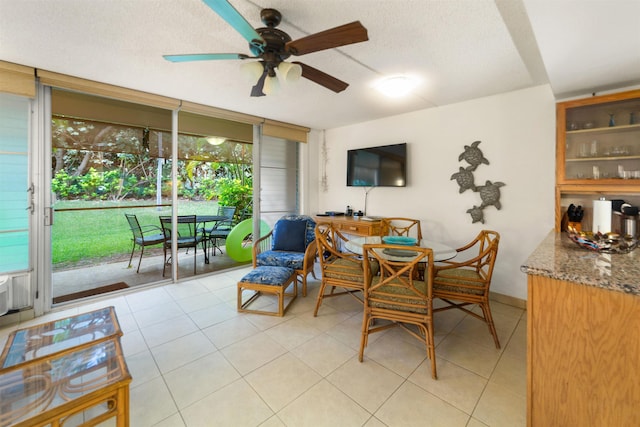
196,362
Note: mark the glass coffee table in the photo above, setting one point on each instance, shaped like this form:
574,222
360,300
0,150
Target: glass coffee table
83,386
24,345
67,371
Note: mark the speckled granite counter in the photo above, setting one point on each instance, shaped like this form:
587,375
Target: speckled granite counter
557,257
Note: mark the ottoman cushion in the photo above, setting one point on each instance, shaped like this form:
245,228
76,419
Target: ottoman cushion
268,275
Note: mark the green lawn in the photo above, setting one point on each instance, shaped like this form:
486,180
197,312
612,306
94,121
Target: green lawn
82,237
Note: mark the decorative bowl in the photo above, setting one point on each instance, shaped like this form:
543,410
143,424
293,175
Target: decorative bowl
612,243
400,240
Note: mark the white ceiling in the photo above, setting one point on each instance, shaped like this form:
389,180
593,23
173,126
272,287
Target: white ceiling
458,49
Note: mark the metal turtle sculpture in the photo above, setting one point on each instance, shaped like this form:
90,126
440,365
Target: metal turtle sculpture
464,178
473,155
490,194
477,214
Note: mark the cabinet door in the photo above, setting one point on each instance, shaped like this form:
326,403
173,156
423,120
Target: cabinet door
599,141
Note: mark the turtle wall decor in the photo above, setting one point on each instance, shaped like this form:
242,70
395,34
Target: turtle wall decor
489,192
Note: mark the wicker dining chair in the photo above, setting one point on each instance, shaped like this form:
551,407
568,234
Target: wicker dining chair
339,268
463,283
396,295
398,226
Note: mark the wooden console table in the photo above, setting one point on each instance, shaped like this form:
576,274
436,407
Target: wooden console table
353,225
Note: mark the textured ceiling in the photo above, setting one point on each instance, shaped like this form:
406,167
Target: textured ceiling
458,49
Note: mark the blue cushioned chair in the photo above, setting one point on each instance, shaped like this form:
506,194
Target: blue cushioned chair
292,244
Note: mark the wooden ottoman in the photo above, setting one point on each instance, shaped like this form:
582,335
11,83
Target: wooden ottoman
268,280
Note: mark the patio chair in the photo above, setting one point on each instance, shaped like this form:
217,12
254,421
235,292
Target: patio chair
143,236
221,229
291,243
188,237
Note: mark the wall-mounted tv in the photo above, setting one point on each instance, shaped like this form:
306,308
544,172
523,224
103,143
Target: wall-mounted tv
383,166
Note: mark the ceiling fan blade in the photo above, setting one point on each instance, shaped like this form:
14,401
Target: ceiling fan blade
237,21
204,57
321,78
328,39
257,89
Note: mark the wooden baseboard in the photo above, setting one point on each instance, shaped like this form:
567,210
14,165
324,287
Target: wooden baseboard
509,300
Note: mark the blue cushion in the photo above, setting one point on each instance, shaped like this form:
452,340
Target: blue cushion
289,235
264,275
293,260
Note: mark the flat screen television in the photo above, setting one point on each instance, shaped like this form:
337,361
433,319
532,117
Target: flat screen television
383,166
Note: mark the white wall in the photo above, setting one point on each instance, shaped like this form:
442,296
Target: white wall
517,131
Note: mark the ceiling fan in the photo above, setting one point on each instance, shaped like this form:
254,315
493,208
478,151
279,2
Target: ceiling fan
272,47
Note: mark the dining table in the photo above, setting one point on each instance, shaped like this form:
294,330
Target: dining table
441,252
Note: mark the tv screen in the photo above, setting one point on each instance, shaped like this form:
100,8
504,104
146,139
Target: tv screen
383,166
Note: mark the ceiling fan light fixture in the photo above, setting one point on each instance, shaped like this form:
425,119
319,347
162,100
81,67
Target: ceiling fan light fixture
271,86
216,140
252,70
289,72
396,86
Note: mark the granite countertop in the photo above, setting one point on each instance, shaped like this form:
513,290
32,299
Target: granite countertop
559,258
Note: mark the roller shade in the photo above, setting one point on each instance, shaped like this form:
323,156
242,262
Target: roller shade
196,124
108,110
105,90
17,79
285,131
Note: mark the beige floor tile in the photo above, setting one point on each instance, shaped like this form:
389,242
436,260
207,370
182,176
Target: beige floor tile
186,289
349,332
374,422
174,420
273,422
253,352
148,298
199,302
181,351
293,333
511,373
142,368
500,407
412,406
264,322
455,385
199,378
396,353
157,314
282,380
368,383
168,330
237,404
323,405
230,331
324,353
475,423
209,316
480,359
133,343
326,319
150,403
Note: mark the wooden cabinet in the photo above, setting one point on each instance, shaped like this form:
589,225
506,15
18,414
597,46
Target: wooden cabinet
597,147
583,354
353,225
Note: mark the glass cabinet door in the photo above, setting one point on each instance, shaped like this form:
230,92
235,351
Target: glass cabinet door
602,142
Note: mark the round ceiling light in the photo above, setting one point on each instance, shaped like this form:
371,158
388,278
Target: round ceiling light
396,86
